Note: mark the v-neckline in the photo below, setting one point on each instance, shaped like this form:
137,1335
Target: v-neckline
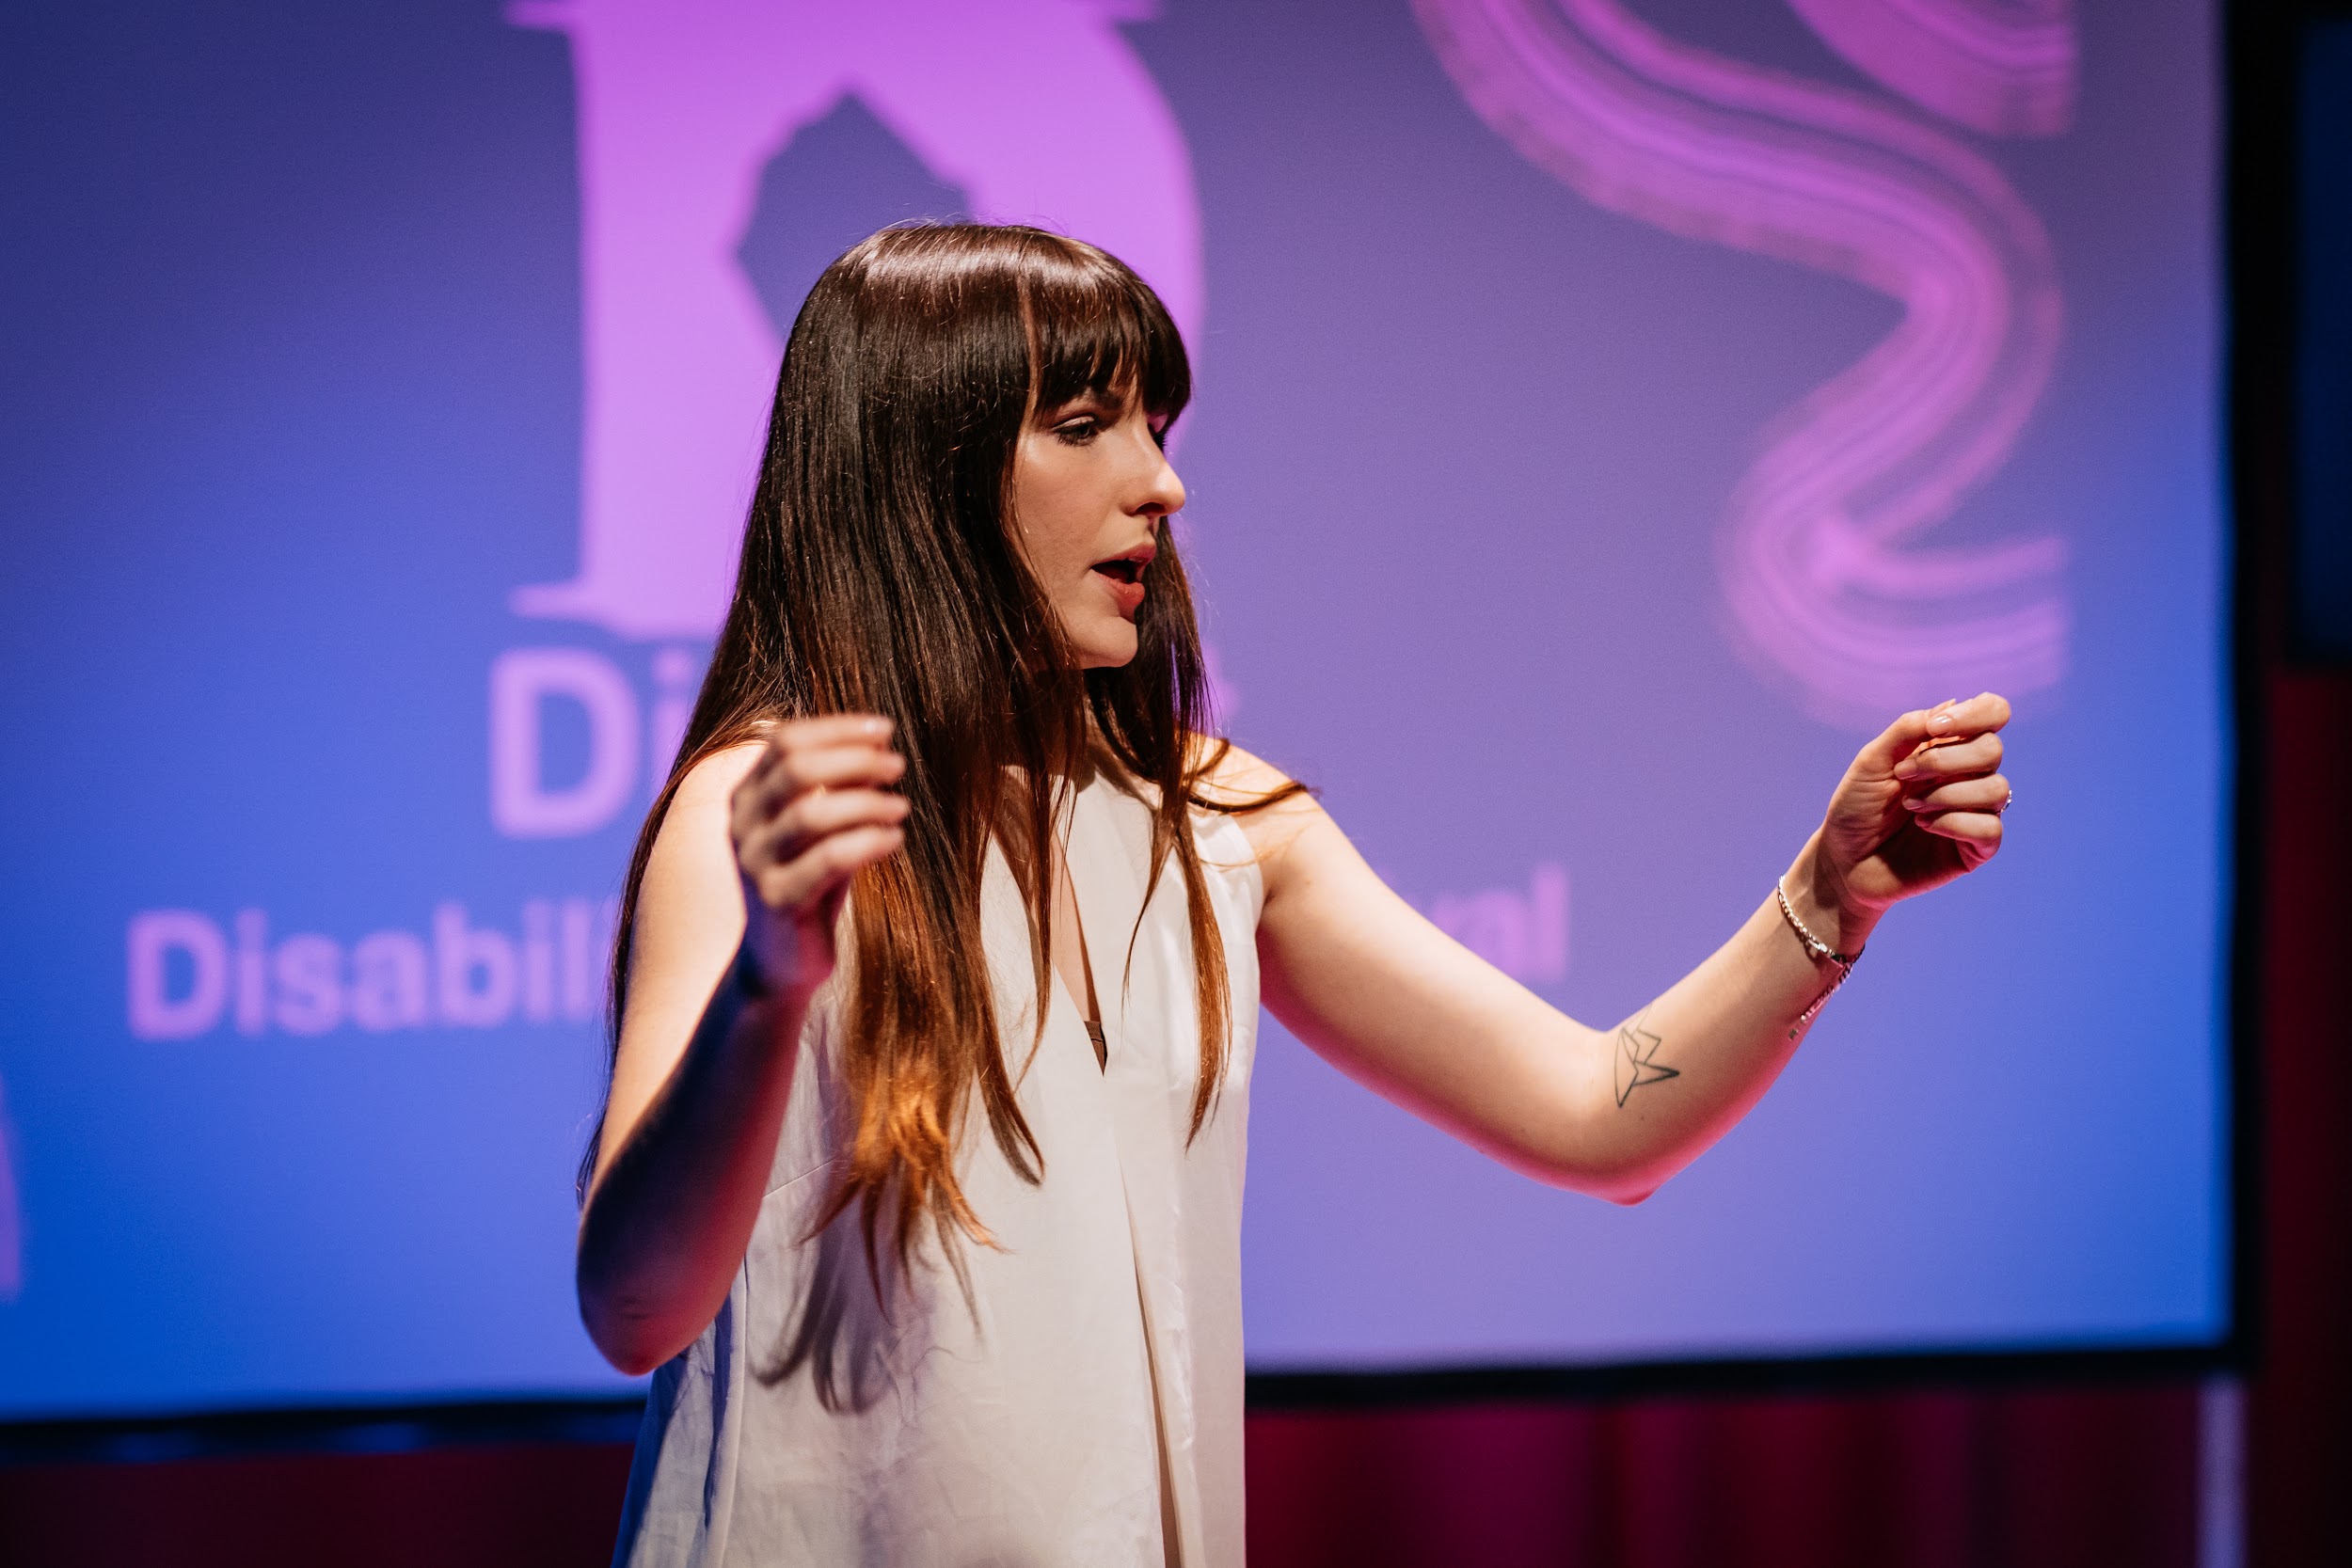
1089,1006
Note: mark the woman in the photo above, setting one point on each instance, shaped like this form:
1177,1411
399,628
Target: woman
919,1181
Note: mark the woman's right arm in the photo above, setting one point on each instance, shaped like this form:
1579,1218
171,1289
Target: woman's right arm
733,932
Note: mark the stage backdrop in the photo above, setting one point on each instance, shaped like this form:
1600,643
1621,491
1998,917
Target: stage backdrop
1609,412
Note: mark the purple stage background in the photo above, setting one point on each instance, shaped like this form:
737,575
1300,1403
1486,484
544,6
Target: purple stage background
1608,413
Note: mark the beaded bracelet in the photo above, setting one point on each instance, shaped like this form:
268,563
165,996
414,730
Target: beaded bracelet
1818,951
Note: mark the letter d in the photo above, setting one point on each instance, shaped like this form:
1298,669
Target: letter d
521,681
156,1014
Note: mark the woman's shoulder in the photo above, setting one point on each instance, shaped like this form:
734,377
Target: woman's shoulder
1237,789
1236,782
694,825
712,779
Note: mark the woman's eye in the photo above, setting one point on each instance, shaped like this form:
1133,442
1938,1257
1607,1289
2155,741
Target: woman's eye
1080,431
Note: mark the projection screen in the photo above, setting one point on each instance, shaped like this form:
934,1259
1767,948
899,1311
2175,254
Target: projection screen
1609,412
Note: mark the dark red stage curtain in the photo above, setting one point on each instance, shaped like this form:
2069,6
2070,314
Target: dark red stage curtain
2298,723
550,1506
1914,1480
2299,1417
1921,1481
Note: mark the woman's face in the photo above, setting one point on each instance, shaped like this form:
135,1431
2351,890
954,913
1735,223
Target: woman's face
1091,488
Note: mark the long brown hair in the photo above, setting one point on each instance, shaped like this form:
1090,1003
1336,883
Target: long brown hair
881,573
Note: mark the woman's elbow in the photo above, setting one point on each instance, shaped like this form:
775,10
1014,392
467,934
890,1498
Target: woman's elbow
629,1344
630,1363
1622,1183
626,1329
1625,1191
627,1361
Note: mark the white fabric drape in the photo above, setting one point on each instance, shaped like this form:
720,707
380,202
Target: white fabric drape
1022,1426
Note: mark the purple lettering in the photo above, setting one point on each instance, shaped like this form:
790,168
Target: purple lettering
474,969
522,803
308,972
387,982
156,1014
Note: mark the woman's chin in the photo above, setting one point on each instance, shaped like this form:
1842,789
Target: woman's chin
1106,647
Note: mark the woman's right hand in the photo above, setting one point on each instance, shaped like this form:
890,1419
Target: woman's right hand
815,809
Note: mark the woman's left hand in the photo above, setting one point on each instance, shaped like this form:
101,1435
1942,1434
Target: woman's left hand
1921,805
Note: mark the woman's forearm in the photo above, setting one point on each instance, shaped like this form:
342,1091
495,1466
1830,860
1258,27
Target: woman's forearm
672,1210
1401,1007
738,923
1692,1063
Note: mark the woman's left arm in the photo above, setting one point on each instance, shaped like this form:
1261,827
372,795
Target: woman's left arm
1351,969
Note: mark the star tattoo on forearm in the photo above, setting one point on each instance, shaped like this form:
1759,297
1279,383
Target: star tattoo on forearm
1637,1060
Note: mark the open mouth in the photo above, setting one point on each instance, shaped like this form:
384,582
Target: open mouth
1124,569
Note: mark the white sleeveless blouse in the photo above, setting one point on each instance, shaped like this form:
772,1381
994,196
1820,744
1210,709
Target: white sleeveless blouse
1024,1427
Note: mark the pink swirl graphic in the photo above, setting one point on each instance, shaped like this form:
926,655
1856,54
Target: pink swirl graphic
1829,592
2003,67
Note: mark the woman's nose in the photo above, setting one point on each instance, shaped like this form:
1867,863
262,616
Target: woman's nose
1166,495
